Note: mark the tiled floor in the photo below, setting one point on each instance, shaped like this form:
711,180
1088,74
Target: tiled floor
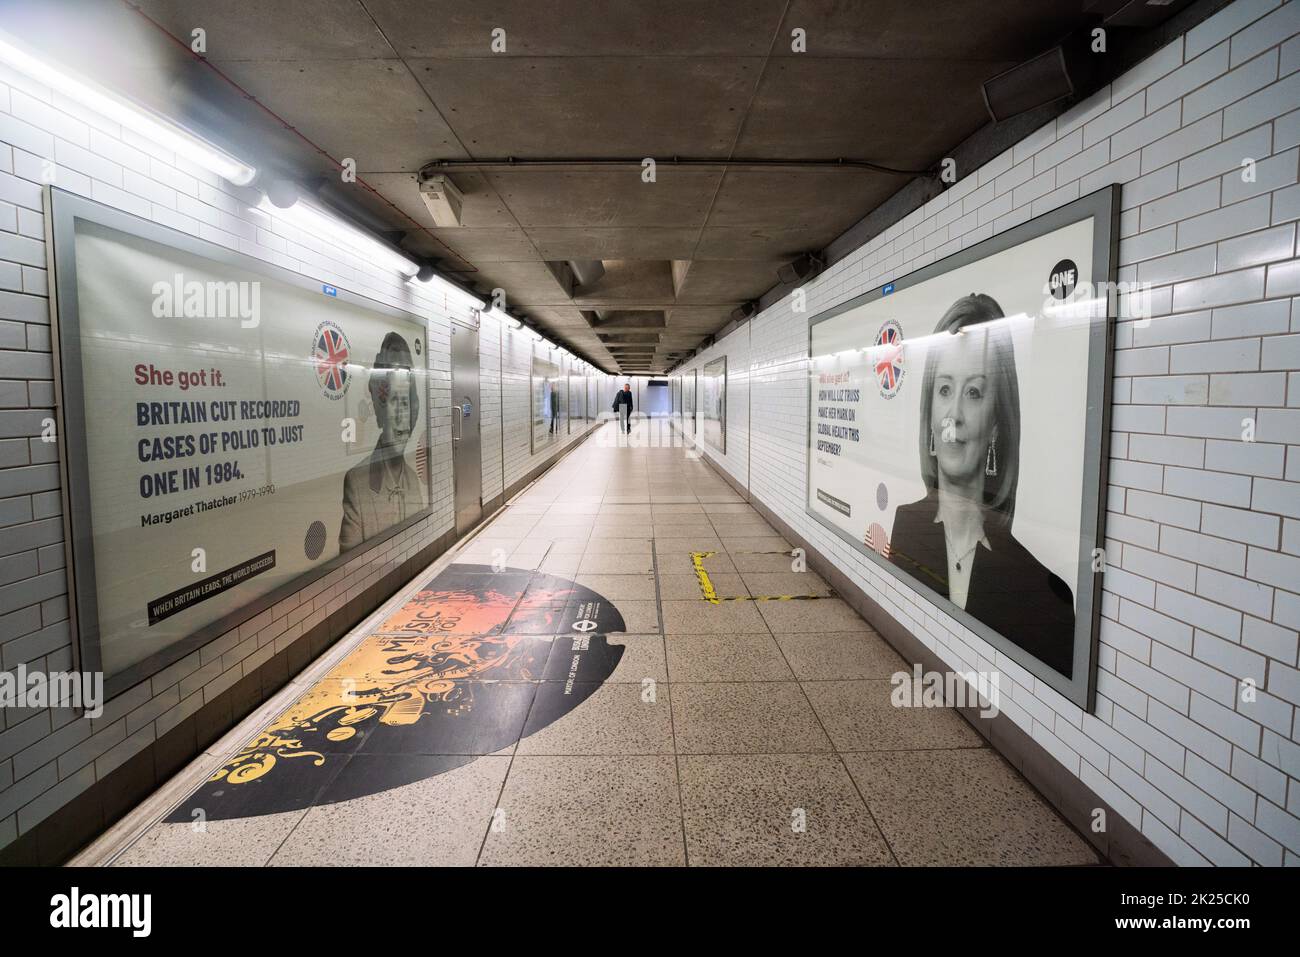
742,732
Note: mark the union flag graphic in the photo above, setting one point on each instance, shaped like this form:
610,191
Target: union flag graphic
887,358
330,355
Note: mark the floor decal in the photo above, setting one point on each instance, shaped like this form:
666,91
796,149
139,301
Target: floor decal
448,677
711,594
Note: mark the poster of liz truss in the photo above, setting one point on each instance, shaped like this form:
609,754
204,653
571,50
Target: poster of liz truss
230,430
713,404
957,433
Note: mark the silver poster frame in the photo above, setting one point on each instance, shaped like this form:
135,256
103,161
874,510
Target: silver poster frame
532,397
65,209
722,405
1103,207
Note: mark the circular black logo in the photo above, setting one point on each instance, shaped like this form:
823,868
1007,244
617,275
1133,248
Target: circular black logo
1064,277
314,542
417,346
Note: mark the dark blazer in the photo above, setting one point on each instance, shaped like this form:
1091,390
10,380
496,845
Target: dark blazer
1010,590
624,397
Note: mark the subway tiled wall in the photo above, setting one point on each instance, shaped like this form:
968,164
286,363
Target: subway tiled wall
1202,588
49,756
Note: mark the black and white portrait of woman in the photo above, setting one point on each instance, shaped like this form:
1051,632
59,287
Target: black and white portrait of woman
958,539
384,489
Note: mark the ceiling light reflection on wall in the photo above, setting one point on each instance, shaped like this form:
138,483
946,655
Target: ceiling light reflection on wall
500,315
319,222
139,119
455,295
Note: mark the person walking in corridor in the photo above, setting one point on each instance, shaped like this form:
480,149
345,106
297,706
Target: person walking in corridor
623,406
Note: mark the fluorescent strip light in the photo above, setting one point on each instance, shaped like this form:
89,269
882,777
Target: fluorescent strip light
315,220
455,293
133,116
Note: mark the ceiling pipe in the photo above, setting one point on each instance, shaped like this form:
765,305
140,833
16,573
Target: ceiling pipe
839,163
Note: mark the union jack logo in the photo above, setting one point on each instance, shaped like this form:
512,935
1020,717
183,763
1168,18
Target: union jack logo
888,358
330,355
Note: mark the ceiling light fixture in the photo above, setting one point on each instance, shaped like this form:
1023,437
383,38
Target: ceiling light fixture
139,119
799,268
442,198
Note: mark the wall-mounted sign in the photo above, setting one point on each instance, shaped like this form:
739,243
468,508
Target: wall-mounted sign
228,433
957,434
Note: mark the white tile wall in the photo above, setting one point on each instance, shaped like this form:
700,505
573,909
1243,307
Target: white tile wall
1203,529
48,756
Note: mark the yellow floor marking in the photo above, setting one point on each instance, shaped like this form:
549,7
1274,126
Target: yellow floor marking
711,593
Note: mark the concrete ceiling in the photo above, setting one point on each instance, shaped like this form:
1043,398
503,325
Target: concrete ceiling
396,84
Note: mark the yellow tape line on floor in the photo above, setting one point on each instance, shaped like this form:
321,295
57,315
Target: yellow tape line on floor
711,594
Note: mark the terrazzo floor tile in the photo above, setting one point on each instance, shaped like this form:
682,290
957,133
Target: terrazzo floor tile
963,808
728,657
633,548
614,811
241,842
620,587
616,564
698,617
786,583
558,564
842,655
438,821
752,543
769,717
818,617
776,810
613,718
688,542
681,561
859,716
686,587
750,561
640,617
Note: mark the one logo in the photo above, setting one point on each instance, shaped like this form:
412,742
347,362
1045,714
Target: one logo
330,354
1064,277
887,289
888,358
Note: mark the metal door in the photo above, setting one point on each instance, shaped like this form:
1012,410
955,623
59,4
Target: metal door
466,444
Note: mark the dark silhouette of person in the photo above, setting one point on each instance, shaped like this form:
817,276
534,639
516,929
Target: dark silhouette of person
555,407
385,490
623,406
957,540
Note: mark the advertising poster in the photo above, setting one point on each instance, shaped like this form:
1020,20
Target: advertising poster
548,401
713,404
956,433
689,392
237,432
577,401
